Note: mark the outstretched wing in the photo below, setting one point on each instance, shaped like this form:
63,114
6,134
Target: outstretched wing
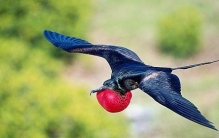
165,89
113,54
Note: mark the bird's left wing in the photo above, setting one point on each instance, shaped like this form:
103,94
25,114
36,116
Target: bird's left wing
114,55
165,89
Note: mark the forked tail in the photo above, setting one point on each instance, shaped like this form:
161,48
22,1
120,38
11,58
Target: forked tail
195,65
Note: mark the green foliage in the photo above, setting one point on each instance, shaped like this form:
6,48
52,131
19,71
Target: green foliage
35,101
27,19
179,32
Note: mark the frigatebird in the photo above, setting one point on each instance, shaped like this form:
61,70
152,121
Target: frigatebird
128,73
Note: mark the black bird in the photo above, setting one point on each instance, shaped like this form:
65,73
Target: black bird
129,73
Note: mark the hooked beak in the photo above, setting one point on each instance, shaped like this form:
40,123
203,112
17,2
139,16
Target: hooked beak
98,89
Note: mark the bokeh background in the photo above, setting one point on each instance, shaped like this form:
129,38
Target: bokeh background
44,92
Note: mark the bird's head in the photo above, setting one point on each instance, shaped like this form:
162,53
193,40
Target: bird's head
121,85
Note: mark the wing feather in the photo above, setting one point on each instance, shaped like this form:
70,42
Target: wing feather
165,89
115,55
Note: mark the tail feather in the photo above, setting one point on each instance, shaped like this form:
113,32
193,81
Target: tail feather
195,65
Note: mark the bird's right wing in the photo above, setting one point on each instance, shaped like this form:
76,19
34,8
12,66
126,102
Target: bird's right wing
113,54
165,89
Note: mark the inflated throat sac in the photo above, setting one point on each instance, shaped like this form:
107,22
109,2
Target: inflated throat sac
113,101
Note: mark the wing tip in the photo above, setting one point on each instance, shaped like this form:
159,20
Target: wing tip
52,37
210,125
47,35
207,124
45,32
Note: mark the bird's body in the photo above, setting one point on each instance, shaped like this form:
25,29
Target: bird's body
129,73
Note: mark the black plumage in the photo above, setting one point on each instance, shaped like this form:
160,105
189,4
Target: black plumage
129,73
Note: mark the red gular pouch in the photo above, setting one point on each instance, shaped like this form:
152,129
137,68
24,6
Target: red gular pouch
113,101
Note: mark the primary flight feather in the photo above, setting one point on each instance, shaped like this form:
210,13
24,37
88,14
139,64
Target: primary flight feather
129,73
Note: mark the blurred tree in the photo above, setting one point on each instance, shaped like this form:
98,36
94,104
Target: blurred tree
27,19
179,33
34,100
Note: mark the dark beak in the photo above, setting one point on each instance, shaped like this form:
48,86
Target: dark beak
98,89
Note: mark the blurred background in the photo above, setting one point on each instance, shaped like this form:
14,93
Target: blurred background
44,92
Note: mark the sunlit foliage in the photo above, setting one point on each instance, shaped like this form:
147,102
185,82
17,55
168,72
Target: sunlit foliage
35,100
27,19
179,32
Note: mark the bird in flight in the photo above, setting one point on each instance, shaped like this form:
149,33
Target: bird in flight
129,73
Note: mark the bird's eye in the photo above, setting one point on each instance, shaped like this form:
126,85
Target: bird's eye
106,83
130,84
